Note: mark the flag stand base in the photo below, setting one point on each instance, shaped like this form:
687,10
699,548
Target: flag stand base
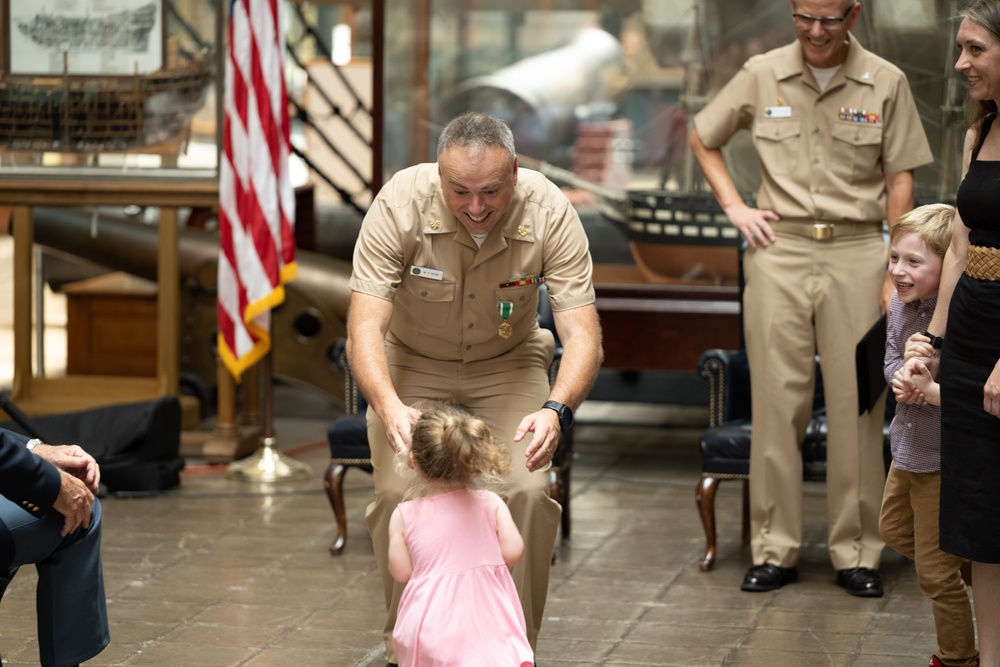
268,465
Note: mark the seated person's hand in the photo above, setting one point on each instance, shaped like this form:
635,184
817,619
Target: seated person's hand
73,502
74,460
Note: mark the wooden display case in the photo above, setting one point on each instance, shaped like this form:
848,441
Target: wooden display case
111,326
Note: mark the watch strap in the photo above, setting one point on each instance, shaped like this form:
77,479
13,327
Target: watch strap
936,341
564,412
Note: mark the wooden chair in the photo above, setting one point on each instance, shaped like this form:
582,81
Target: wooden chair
725,445
348,438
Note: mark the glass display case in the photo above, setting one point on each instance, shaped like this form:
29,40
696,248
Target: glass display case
638,69
106,103
601,93
110,89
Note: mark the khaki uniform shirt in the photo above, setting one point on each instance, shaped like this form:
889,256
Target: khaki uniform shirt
445,291
824,155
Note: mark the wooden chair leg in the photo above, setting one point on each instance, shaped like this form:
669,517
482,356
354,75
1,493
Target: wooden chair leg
704,494
564,483
745,532
333,480
557,491
556,494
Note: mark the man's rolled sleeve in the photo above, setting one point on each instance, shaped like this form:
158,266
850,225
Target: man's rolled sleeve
378,258
730,110
904,145
568,266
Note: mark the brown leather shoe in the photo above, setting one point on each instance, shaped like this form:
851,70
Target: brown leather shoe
768,577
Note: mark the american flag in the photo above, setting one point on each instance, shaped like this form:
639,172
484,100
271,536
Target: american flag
256,201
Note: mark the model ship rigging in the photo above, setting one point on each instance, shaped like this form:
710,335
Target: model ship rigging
70,112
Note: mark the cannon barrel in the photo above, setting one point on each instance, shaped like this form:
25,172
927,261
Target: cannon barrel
539,95
305,328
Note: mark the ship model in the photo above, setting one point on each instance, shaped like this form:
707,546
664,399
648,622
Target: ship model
88,114
122,30
674,227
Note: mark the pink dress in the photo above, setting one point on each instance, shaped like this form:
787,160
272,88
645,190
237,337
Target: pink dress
460,607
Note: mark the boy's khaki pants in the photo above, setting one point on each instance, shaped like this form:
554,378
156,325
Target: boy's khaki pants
909,524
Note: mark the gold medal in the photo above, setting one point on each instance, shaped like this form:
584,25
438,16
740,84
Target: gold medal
506,308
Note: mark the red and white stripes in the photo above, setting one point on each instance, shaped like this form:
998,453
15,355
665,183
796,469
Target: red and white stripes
256,201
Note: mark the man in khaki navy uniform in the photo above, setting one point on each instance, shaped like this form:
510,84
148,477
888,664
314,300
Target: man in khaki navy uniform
838,137
447,269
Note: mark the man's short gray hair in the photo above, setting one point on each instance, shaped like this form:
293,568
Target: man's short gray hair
477,130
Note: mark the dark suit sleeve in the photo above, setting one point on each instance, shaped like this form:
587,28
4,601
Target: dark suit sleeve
25,479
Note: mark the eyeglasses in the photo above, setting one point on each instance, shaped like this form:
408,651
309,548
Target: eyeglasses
827,22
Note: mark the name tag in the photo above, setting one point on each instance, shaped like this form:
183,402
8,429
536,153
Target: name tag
424,272
778,112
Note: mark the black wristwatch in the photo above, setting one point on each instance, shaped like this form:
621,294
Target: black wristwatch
564,412
936,341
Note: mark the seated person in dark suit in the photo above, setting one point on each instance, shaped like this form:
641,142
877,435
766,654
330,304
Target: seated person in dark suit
50,517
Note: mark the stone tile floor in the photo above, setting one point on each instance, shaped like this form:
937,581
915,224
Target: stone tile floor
225,572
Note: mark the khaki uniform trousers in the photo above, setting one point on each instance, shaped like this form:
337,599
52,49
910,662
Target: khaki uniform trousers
500,391
802,296
909,524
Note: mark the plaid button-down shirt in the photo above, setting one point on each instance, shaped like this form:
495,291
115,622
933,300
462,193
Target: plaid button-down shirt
915,434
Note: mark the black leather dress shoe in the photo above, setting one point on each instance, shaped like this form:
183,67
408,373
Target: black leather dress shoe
768,577
861,581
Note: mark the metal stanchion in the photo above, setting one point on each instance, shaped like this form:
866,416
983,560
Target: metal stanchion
268,464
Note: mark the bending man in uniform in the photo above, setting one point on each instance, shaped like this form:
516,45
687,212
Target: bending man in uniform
444,298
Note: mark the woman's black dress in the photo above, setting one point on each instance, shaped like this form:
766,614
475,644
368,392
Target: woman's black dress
970,436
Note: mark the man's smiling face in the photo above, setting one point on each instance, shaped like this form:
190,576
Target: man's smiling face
824,42
478,185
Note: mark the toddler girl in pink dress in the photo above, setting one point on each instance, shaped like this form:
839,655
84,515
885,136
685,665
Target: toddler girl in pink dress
452,544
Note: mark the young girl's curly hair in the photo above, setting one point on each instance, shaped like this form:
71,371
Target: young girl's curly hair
450,445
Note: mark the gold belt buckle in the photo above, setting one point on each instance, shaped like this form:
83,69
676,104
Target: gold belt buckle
823,231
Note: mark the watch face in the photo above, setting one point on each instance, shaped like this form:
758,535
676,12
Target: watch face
563,411
566,417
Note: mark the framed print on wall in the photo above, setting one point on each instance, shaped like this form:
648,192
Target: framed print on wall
84,37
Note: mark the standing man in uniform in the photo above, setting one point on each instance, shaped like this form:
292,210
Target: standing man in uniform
447,269
838,137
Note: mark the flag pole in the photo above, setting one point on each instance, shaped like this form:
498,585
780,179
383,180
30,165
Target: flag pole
268,464
256,214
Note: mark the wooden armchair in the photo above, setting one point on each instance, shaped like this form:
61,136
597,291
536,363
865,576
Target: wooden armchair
725,445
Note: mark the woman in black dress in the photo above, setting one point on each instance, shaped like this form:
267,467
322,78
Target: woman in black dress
969,310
